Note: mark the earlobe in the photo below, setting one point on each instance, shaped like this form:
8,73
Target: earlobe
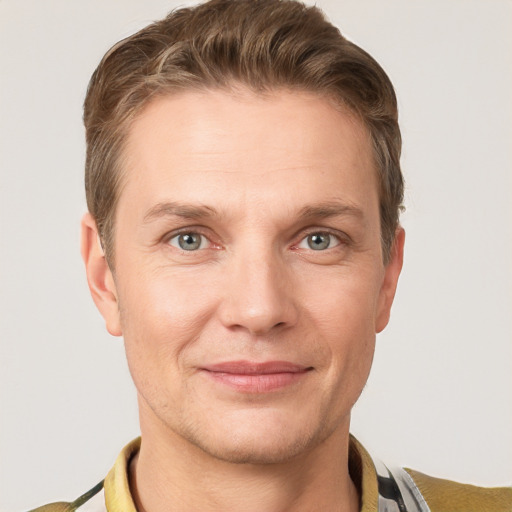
390,281
99,276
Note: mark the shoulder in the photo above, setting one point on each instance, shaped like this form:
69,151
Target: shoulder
92,501
60,506
447,496
114,489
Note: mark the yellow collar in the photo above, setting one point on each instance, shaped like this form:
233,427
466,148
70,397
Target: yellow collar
118,497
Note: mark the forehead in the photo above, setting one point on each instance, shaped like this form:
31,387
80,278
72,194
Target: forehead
214,145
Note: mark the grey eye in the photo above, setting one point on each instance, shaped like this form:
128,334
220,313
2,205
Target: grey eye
319,241
188,241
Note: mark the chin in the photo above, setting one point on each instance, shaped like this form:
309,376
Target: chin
254,452
256,443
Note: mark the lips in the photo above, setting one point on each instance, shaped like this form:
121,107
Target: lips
254,377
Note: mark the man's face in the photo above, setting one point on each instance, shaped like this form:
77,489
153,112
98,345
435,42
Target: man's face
248,270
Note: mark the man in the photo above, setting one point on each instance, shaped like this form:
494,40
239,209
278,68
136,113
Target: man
243,236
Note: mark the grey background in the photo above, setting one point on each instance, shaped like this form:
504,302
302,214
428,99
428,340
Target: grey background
440,396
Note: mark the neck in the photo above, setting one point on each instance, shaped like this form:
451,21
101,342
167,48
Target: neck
170,470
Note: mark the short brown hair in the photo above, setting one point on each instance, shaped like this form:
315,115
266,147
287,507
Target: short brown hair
262,44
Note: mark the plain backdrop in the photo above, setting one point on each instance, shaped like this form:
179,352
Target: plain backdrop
440,395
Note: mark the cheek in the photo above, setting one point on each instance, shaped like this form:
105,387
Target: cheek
343,308
342,301
162,315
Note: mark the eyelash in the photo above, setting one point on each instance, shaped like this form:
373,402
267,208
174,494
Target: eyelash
340,241
341,238
187,231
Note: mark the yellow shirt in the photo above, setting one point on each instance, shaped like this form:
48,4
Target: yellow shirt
380,489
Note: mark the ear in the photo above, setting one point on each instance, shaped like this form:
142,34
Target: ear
99,276
390,281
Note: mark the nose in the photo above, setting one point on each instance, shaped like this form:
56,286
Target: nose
259,294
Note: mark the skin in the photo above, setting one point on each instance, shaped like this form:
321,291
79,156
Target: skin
257,179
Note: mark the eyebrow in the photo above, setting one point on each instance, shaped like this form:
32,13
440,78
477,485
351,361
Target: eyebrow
330,209
200,211
174,209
